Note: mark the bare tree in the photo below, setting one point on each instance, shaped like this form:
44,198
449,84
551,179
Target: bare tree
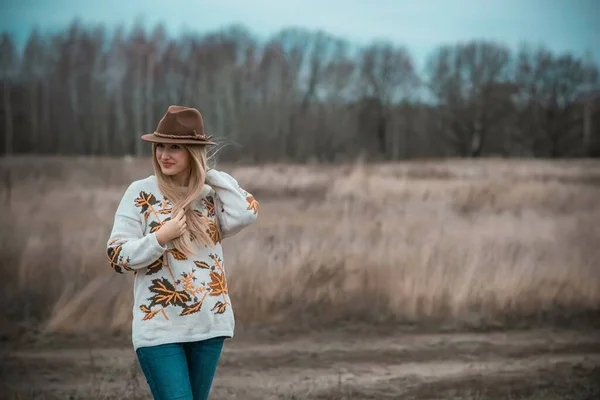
96,99
338,89
387,77
138,51
32,73
155,47
114,78
8,72
321,55
287,55
549,86
468,82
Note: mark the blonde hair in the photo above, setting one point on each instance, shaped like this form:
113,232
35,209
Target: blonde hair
197,224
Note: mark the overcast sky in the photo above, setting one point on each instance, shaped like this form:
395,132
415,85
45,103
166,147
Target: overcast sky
562,25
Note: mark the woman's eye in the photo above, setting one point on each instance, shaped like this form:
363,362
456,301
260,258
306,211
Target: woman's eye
159,145
175,147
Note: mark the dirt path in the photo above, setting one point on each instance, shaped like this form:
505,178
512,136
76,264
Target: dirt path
537,364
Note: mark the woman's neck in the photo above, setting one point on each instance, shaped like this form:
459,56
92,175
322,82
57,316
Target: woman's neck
182,179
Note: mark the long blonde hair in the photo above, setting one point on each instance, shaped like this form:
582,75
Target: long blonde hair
197,224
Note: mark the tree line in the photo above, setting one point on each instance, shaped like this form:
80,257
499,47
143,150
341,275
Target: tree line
297,96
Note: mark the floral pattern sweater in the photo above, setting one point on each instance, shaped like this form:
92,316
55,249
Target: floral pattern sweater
176,298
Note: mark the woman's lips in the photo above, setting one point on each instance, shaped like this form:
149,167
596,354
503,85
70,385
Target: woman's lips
168,165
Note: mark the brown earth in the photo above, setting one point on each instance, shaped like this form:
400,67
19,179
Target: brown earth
536,364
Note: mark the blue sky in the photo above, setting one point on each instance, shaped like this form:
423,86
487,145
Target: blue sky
420,25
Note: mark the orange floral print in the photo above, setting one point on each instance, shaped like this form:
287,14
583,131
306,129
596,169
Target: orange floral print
209,203
218,284
213,231
192,296
116,259
252,203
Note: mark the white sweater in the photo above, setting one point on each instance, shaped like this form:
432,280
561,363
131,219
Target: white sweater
177,299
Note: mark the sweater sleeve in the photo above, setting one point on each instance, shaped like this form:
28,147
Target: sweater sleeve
128,248
235,207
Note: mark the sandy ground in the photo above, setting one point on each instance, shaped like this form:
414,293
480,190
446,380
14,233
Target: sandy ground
537,364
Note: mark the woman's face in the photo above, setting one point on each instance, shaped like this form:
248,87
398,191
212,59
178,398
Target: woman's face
172,158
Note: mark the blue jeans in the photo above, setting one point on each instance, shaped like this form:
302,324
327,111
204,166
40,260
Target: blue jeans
181,371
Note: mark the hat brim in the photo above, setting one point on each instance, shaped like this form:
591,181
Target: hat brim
155,139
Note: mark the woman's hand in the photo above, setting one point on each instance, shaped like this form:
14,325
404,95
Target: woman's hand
172,229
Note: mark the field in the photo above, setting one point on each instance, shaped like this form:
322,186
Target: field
429,279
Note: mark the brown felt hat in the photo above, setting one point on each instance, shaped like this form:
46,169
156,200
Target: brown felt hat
182,125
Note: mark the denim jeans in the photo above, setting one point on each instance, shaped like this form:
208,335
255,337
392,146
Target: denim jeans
181,371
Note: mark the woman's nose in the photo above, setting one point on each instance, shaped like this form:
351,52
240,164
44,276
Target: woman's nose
165,154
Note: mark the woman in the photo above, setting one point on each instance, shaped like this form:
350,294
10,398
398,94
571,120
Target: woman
167,231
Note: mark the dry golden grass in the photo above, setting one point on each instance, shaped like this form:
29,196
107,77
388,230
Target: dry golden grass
437,243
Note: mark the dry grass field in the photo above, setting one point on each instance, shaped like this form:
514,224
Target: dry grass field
433,279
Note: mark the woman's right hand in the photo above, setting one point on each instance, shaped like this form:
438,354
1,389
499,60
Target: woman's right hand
172,229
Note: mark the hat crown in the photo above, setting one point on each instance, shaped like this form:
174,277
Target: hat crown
183,125
181,122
